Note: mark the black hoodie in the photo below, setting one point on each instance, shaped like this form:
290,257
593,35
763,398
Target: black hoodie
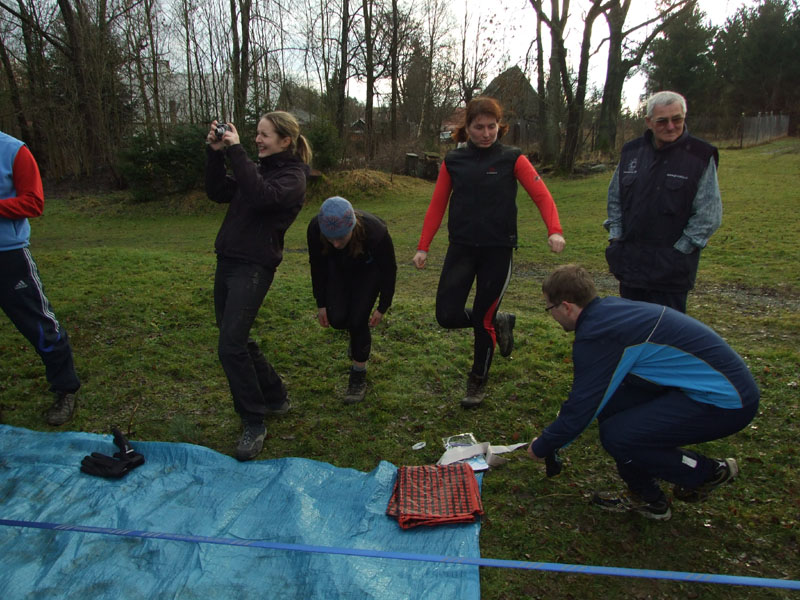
264,197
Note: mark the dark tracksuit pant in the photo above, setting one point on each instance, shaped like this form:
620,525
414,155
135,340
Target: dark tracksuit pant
676,300
239,290
463,265
643,427
349,298
22,299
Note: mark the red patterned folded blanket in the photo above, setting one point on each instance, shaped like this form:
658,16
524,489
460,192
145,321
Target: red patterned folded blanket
435,495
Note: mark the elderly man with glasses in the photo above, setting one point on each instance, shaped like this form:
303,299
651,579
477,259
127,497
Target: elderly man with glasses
663,206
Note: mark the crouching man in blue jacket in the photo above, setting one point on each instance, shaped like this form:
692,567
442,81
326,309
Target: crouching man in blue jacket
656,380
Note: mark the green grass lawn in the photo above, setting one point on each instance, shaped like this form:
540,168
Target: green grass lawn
132,284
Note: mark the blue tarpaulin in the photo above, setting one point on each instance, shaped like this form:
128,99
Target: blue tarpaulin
190,490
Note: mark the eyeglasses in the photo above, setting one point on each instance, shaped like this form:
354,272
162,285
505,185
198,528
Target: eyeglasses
662,121
551,307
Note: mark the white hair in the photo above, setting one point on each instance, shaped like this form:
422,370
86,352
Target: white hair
664,99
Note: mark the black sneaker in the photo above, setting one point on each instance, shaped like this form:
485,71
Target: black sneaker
356,387
251,442
504,328
726,471
62,409
627,501
476,391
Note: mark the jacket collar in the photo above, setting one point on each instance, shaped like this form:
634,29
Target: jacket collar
648,134
274,160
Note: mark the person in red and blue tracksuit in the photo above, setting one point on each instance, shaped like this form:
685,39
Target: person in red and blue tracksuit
22,296
656,380
479,180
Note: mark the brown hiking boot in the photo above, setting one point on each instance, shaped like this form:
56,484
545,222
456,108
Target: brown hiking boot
476,391
504,329
62,409
356,387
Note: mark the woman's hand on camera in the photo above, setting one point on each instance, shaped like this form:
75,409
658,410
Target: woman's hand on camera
212,139
230,136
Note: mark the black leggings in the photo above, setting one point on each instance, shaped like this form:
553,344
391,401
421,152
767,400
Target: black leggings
350,296
462,265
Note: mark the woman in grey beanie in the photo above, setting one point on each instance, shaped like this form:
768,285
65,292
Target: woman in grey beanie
352,266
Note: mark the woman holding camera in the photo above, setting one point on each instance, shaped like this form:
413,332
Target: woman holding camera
264,199
479,181
352,265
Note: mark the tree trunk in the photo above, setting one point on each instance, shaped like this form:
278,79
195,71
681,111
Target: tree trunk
341,77
575,103
394,68
370,76
615,79
154,67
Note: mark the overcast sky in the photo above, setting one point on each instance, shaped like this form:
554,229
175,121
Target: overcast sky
515,27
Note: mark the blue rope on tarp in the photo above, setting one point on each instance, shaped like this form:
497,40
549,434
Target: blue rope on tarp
459,560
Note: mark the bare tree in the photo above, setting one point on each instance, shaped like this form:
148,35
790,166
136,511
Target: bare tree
619,67
240,55
556,21
474,60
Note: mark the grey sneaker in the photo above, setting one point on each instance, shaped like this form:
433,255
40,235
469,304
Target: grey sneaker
476,391
356,387
504,329
725,472
281,408
627,501
251,442
62,409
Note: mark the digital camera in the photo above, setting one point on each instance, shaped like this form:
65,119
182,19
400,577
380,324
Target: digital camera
221,128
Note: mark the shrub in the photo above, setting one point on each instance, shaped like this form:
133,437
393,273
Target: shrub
153,170
325,143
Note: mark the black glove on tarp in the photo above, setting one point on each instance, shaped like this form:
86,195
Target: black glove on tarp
113,467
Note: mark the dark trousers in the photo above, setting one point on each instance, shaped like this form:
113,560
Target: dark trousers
643,428
350,297
239,290
676,300
22,299
463,265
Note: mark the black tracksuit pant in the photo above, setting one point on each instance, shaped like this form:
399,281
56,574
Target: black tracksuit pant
22,299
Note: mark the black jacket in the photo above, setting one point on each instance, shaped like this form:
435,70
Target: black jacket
264,197
378,254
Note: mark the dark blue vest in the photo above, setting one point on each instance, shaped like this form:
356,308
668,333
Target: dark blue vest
657,187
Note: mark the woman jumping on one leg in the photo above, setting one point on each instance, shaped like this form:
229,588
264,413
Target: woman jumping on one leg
479,181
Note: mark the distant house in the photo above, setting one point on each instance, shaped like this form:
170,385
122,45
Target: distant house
520,104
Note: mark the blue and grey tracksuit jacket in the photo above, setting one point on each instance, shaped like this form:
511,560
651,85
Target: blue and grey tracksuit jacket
14,233
615,338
